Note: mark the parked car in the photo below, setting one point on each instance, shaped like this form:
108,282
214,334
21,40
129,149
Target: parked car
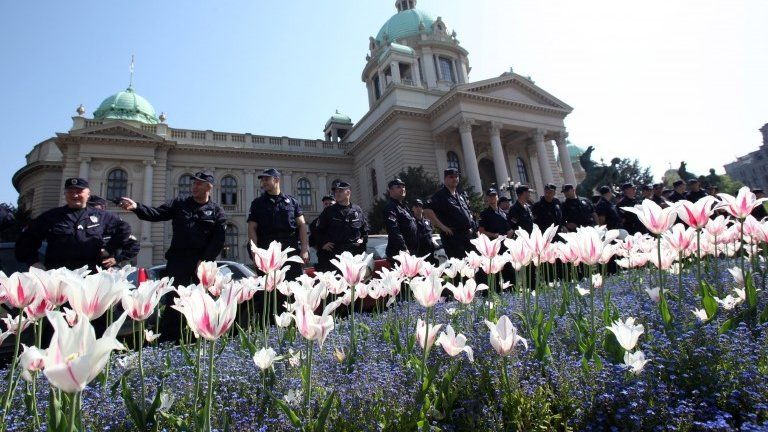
239,271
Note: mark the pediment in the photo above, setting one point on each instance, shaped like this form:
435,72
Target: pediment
117,129
518,89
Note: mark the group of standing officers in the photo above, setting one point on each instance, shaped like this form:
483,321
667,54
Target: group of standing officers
83,233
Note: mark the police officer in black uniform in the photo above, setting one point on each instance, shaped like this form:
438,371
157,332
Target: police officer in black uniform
678,192
607,213
425,244
759,212
548,211
448,210
695,192
6,218
520,215
630,222
647,193
342,228
75,233
658,195
327,201
401,225
577,211
493,220
275,216
504,205
198,227
131,247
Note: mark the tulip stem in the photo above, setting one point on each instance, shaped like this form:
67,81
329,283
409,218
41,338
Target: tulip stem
141,367
73,411
209,401
9,392
38,342
197,374
308,390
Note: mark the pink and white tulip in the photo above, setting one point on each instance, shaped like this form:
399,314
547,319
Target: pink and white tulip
454,344
696,215
488,248
352,267
142,301
742,204
504,337
465,292
97,294
207,318
20,289
655,218
426,337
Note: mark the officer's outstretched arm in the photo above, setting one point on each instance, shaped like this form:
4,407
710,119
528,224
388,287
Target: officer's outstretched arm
153,214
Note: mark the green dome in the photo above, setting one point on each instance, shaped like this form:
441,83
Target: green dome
404,24
338,118
126,105
575,151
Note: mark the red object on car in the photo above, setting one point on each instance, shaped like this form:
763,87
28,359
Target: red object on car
141,275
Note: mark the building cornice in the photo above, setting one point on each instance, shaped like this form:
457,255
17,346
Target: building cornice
455,94
388,117
258,152
31,168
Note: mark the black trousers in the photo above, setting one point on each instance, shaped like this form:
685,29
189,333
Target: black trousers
457,245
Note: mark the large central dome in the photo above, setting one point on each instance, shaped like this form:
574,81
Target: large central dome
405,24
126,105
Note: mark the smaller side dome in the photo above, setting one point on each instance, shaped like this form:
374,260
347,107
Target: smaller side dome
338,118
574,152
126,105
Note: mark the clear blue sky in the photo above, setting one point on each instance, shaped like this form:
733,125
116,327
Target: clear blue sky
658,80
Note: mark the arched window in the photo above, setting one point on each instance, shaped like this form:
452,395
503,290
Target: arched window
522,171
117,184
185,185
228,191
374,184
231,248
304,193
453,160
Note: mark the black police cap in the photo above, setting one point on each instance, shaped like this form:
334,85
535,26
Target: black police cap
491,191
205,176
566,187
522,189
395,182
95,200
327,198
76,182
658,186
550,186
626,186
647,187
757,190
451,172
270,172
678,183
693,180
604,190
503,199
418,202
340,185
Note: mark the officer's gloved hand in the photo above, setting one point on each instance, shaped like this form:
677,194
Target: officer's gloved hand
127,204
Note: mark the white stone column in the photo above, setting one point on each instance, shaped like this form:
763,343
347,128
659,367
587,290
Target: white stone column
471,169
382,83
499,161
428,67
441,156
415,73
541,152
565,159
395,70
538,183
85,167
321,189
286,183
250,189
144,259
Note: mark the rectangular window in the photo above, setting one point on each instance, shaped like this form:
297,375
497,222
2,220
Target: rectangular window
376,87
446,70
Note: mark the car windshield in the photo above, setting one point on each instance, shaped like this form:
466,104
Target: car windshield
377,246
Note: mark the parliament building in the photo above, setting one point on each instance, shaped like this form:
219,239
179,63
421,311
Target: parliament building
423,111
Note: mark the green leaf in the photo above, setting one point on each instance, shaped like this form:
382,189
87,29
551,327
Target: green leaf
764,315
322,416
666,315
287,410
728,325
708,302
137,415
751,291
244,341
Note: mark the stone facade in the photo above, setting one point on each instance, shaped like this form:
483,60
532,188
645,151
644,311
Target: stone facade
752,168
423,111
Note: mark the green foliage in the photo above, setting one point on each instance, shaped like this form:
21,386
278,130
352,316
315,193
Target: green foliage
729,185
630,171
531,412
419,184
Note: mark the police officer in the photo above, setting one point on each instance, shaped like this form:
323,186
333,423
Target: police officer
678,192
607,214
6,217
547,211
577,211
342,228
759,212
630,222
198,235
400,223
647,193
504,205
75,233
695,192
658,195
131,247
425,244
520,215
198,227
493,220
275,216
327,201
448,210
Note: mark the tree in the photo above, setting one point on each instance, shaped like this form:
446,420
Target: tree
418,183
630,171
729,185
